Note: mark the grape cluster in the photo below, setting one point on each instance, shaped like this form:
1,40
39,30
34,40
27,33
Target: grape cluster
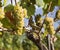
19,14
58,14
49,25
1,13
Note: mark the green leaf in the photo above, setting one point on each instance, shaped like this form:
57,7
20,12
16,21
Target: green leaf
7,40
6,23
58,2
30,10
30,7
9,8
5,1
0,3
47,4
57,46
40,3
33,1
29,1
47,1
1,43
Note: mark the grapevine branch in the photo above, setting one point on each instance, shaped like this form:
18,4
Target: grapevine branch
40,45
36,41
46,14
5,29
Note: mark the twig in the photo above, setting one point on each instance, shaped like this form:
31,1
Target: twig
50,4
47,11
5,29
15,2
49,42
11,2
52,45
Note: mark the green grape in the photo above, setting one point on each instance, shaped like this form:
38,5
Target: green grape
58,14
0,33
25,12
19,14
49,20
1,13
52,30
49,25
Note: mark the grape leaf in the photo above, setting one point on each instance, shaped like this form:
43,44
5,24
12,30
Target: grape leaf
47,4
29,1
58,2
0,3
40,3
8,8
5,1
47,1
33,1
30,10
6,23
30,7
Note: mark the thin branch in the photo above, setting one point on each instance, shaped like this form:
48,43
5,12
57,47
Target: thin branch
11,2
49,42
55,19
38,41
5,29
50,4
52,45
15,2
